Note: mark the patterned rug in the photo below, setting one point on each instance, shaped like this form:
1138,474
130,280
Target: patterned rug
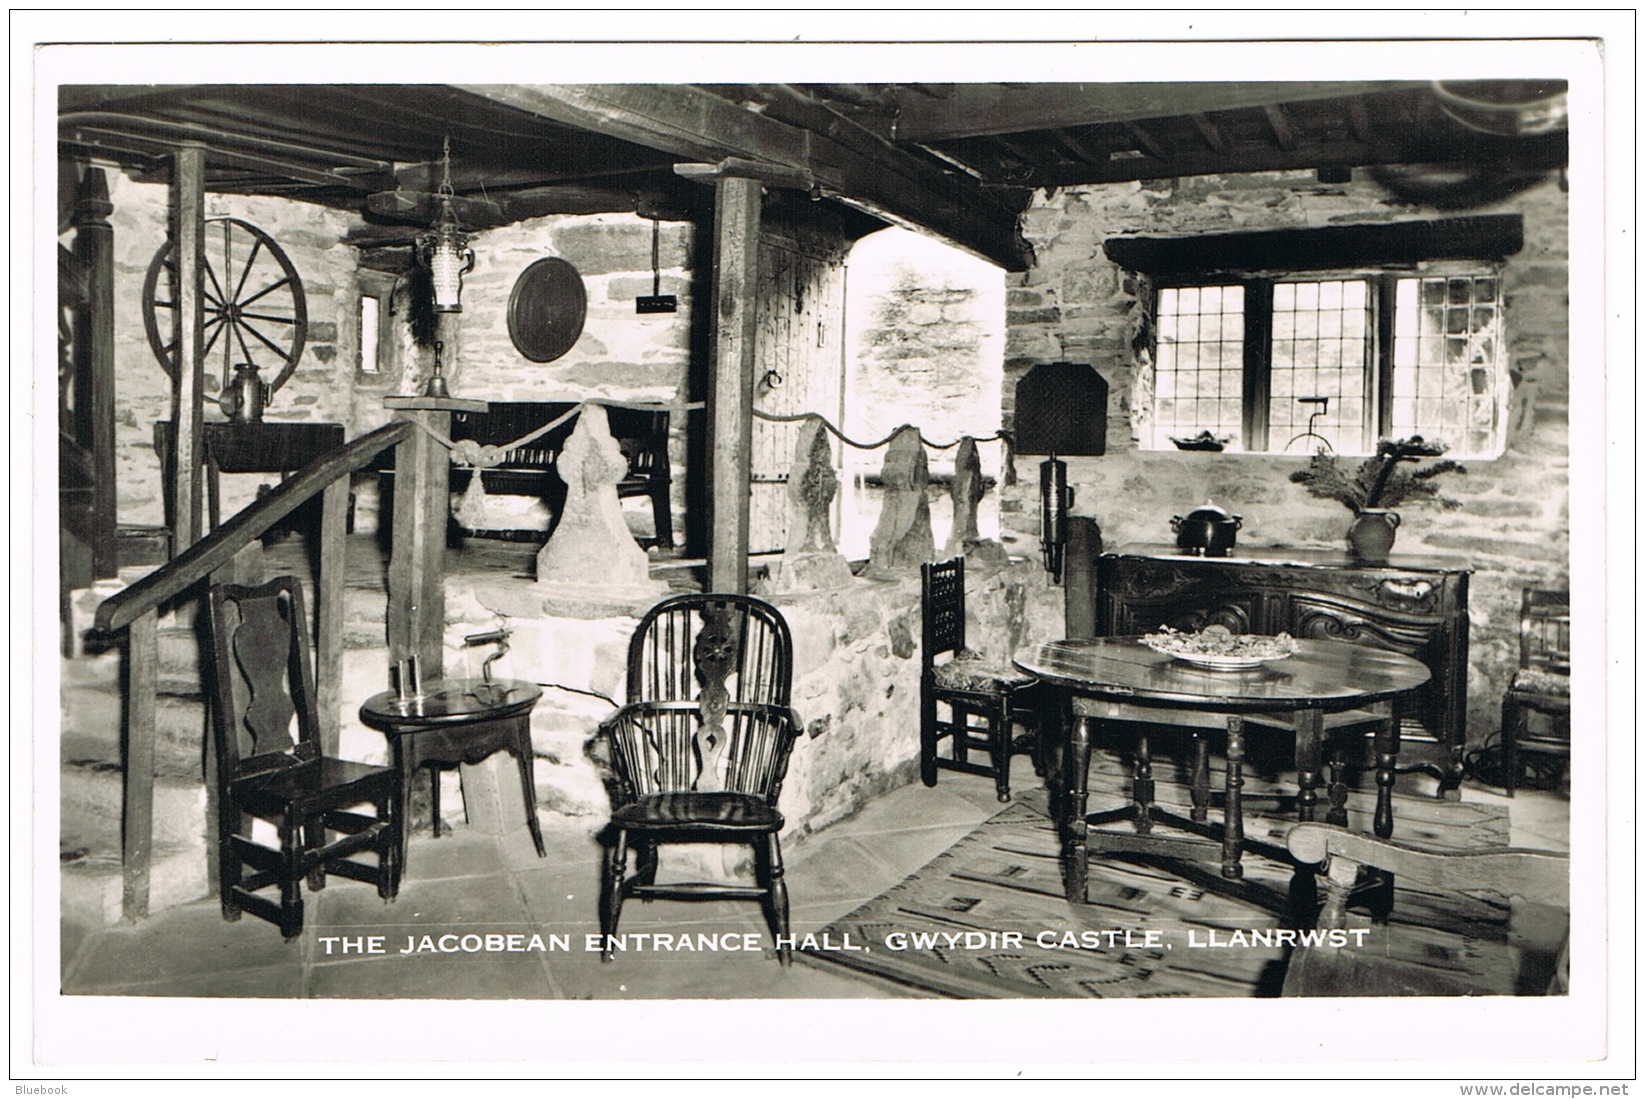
987,918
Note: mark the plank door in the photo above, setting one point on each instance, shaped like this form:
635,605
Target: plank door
799,367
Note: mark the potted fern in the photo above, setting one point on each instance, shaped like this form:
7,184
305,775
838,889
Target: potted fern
1376,486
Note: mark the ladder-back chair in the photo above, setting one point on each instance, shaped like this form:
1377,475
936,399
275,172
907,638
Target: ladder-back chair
983,698
1541,685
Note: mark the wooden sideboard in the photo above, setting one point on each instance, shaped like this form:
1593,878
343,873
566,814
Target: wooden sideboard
1413,605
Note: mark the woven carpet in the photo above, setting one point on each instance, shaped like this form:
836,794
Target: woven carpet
987,918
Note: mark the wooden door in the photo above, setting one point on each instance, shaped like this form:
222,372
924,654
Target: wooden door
799,367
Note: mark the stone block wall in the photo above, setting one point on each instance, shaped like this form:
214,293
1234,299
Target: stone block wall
321,388
856,681
1514,523
620,355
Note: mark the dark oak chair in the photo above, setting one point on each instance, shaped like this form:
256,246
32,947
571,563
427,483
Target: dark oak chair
700,750
1541,685
983,698
1441,950
269,765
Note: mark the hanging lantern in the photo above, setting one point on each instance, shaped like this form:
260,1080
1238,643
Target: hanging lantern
444,251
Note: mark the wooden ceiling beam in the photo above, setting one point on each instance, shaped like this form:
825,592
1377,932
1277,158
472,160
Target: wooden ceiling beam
1212,135
1284,134
847,162
980,110
1307,156
1145,141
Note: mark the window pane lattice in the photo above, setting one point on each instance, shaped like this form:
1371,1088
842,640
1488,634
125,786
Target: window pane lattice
1448,377
1318,367
1198,382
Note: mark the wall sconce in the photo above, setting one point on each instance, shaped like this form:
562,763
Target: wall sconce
1056,498
444,251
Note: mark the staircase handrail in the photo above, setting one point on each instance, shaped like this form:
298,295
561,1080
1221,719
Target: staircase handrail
219,548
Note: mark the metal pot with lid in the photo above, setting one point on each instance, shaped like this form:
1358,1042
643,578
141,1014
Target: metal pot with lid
1206,531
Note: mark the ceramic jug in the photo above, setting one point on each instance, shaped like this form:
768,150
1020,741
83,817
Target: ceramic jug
1371,535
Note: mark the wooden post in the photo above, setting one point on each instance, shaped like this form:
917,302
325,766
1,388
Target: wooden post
417,545
1079,579
94,362
328,594
188,380
137,833
731,380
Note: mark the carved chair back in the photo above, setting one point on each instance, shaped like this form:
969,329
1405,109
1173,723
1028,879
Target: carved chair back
709,679
262,679
701,644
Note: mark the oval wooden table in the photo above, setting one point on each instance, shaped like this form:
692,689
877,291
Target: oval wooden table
1121,679
459,721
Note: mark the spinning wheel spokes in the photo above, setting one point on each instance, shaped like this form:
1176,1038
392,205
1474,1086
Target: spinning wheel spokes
243,267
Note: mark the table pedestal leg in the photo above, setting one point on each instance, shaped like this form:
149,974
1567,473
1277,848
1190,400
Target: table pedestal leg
1075,762
1142,785
1199,788
1309,728
1387,749
1233,824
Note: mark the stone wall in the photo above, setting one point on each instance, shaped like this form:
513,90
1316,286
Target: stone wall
856,681
620,355
1514,525
320,390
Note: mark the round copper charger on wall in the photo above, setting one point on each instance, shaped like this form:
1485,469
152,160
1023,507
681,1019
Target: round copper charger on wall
546,310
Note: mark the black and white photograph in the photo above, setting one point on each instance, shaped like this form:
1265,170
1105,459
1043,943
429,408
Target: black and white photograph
1068,554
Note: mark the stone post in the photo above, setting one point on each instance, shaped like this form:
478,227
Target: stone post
902,538
811,561
591,546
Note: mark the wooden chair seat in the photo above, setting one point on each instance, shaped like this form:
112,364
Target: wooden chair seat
708,812
323,783
1536,685
974,672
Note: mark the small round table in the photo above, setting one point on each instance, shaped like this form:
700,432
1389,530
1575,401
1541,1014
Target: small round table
459,721
1119,678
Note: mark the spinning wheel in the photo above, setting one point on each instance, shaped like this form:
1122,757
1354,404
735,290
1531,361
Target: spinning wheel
253,302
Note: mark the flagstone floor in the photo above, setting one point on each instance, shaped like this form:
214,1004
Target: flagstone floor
466,883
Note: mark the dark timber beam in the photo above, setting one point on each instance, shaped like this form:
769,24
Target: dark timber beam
1281,125
846,161
982,110
189,372
731,379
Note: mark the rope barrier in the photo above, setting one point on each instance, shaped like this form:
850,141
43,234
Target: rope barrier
841,436
474,455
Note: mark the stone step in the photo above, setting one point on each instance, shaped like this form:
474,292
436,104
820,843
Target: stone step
92,886
92,797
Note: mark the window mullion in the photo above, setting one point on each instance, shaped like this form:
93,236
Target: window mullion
1259,327
1379,379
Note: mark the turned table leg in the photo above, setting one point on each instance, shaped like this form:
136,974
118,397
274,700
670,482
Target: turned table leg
1309,726
1076,761
1387,749
1142,785
1233,823
1199,788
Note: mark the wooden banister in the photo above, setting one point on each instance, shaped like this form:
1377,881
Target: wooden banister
218,549
136,609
